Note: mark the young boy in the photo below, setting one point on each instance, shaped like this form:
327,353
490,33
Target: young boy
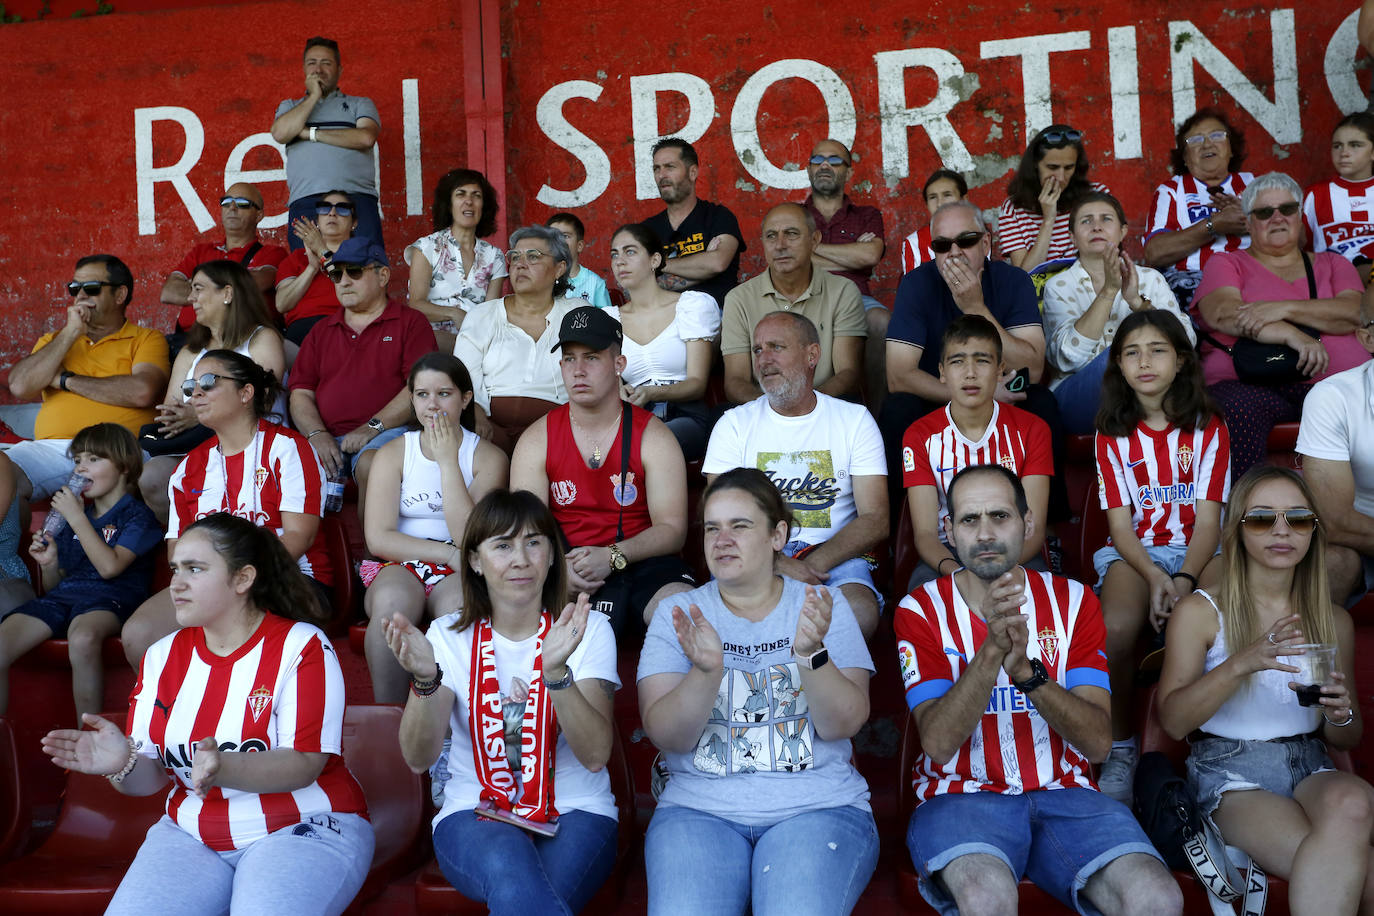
96,567
582,283
974,428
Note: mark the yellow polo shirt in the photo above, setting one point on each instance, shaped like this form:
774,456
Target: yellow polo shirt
65,413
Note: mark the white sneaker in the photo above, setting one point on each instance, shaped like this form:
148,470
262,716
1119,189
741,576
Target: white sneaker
1116,776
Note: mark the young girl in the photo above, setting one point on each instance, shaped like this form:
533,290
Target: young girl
421,490
1337,211
1163,470
96,568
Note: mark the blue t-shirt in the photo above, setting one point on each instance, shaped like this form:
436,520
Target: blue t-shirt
589,286
758,760
925,306
129,524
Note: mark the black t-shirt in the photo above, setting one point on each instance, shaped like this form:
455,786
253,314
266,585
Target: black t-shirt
706,221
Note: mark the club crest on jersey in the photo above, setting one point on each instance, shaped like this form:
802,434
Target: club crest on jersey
260,477
1008,462
1185,458
1049,646
564,492
258,701
109,532
624,494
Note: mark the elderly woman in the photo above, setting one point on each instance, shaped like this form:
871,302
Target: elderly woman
452,269
1033,222
752,686
1085,303
1274,293
304,293
507,343
1198,213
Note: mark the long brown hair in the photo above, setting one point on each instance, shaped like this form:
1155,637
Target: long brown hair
245,312
1310,596
499,513
280,587
1186,404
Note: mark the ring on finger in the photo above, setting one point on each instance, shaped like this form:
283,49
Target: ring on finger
1272,641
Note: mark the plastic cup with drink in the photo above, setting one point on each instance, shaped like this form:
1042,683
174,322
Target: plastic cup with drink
1315,663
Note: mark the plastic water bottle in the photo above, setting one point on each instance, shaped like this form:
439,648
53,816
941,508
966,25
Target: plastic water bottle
54,523
334,492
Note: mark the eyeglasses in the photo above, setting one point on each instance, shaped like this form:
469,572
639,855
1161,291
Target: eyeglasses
1264,213
1216,136
1261,521
832,160
1058,137
336,274
324,209
206,382
964,240
530,256
89,287
242,203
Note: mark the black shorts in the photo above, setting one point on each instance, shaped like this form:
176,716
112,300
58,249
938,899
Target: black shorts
626,594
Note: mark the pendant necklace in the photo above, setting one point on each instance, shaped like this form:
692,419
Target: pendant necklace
594,461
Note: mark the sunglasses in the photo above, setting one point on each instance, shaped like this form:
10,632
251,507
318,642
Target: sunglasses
1056,137
964,240
1260,521
324,209
832,160
336,274
1264,213
530,256
1216,136
206,382
242,203
89,287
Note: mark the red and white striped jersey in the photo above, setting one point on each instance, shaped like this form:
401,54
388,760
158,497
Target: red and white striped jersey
1182,201
1012,749
1017,229
281,689
916,249
933,449
1338,217
278,472
1161,474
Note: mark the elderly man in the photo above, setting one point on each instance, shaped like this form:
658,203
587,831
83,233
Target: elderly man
792,283
348,384
329,139
701,240
1006,679
240,211
98,368
851,245
624,513
824,455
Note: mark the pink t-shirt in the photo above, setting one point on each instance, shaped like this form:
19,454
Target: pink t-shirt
1257,283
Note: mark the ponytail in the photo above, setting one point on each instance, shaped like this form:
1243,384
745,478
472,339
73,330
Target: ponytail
279,587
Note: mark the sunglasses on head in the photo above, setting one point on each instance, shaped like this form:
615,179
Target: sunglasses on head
354,272
1057,137
1261,521
242,203
1263,213
342,209
964,240
89,287
206,382
832,160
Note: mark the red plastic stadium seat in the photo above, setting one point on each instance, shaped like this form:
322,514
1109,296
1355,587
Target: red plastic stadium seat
13,811
434,895
395,795
904,556
344,594
1092,536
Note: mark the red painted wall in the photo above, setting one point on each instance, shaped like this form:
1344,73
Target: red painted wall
560,75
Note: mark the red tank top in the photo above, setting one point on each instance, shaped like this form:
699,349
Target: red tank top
587,501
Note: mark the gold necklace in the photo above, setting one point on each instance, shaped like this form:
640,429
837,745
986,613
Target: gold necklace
593,462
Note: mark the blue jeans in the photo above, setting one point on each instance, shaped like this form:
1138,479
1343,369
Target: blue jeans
516,873
1078,396
814,863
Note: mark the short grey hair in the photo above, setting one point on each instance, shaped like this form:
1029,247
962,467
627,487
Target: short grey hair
805,327
1274,181
558,250
978,220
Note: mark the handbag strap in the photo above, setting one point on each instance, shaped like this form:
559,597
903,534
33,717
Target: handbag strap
1311,294
253,249
1311,277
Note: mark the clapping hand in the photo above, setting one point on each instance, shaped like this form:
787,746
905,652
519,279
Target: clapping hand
565,635
699,640
204,766
412,650
100,752
814,621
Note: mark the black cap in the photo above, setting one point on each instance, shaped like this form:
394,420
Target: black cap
591,326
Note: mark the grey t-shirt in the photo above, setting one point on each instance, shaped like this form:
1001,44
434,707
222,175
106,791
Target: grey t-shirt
759,733
314,168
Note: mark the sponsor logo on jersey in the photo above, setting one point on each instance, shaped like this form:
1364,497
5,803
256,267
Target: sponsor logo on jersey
906,654
908,459
1148,497
564,492
624,494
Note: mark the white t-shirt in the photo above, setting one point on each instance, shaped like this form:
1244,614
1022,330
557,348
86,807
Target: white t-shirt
811,459
1338,425
575,788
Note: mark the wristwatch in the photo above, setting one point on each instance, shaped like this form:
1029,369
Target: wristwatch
618,559
376,425
1211,229
818,659
63,379
562,683
1039,677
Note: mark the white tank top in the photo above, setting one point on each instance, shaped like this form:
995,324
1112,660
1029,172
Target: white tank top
1261,708
422,501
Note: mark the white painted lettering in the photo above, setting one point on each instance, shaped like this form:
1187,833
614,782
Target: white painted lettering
839,107
1123,68
410,130
1035,51
1339,65
955,86
147,175
1281,117
644,90
234,172
549,115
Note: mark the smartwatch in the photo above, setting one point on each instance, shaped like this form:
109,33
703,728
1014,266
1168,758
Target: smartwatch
376,425
1039,677
817,659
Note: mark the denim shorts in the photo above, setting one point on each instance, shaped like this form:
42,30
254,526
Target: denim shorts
1058,838
1219,765
1169,559
855,570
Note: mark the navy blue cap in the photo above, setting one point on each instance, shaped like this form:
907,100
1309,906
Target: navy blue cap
360,251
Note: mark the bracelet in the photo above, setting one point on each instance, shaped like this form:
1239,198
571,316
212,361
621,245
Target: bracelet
309,436
1192,579
1348,719
312,134
941,565
427,688
132,762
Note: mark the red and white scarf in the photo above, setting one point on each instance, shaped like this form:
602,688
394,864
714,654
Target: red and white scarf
538,737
